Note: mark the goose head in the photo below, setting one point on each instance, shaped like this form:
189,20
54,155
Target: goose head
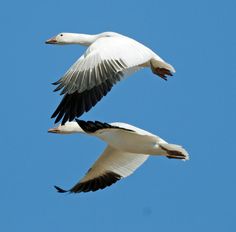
63,38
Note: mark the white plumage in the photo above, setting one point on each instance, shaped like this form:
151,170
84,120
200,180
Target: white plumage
109,57
128,148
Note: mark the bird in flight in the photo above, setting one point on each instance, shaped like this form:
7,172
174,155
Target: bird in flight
128,148
108,59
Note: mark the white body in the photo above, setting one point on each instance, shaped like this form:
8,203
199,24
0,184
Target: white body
139,142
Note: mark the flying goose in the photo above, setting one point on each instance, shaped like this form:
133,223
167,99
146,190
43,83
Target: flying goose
109,57
128,148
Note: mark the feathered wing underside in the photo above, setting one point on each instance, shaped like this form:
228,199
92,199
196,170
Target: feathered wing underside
111,166
104,63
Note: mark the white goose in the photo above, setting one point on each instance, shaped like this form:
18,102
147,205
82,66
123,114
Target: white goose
128,148
109,57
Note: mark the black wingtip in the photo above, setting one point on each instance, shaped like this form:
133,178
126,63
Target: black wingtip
79,121
88,127
75,104
100,182
91,127
60,190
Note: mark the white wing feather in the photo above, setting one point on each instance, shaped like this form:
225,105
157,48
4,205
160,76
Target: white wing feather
110,167
116,161
103,59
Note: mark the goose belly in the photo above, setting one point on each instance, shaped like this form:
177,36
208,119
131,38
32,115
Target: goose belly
130,142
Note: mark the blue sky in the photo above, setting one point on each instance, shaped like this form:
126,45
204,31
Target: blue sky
195,108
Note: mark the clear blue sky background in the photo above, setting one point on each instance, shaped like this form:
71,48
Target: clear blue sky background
196,108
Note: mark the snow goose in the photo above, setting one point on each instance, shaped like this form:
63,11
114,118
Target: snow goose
109,57
128,148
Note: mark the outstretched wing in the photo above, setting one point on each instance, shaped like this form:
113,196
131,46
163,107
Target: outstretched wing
104,63
111,166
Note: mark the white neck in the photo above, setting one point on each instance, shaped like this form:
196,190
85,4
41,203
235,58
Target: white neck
82,39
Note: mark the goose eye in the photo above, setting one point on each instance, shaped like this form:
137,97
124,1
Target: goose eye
61,34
